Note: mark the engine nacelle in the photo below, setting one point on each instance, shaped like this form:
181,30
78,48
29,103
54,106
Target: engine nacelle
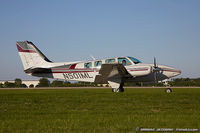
139,70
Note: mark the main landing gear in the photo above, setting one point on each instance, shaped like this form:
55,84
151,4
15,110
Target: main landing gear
117,85
120,89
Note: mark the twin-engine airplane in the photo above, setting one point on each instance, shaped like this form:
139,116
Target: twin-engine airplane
114,71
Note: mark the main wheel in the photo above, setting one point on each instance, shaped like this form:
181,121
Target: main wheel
114,90
121,89
168,90
117,90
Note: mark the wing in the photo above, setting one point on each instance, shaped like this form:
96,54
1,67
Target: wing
110,72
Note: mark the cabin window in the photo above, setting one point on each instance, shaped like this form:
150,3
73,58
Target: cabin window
110,60
97,63
88,65
124,61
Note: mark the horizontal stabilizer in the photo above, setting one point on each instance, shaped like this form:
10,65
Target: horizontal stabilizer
38,70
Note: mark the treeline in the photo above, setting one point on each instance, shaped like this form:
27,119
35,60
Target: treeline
58,83
16,84
174,82
43,82
185,82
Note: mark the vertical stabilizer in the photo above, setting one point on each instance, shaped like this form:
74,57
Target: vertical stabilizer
30,55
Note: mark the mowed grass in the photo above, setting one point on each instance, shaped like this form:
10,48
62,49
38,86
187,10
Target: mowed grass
97,110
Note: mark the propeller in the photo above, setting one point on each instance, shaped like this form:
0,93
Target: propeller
154,60
156,70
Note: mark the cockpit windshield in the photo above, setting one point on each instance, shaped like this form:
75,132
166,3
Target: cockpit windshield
136,61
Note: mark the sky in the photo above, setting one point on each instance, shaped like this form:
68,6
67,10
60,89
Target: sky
72,30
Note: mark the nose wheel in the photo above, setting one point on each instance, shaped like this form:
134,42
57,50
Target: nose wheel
168,90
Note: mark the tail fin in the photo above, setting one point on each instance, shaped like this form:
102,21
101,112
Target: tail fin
30,55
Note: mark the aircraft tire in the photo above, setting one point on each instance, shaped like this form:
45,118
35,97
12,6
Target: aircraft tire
113,89
121,89
168,90
116,90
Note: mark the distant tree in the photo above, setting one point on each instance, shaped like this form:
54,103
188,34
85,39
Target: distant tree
67,84
159,84
197,82
85,84
1,85
18,82
9,85
94,84
131,84
43,82
57,83
31,86
185,82
23,85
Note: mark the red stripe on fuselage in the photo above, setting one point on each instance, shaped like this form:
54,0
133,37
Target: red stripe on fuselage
72,71
139,70
72,66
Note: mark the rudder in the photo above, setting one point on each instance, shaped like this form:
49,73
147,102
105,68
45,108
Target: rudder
30,55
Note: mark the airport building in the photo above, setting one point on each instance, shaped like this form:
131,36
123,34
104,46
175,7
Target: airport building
26,82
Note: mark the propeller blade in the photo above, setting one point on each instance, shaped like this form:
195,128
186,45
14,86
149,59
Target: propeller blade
155,77
155,65
155,70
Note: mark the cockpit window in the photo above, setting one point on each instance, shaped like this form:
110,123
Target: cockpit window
136,61
110,60
124,61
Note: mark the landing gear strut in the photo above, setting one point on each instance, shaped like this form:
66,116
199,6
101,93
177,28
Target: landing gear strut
168,89
117,85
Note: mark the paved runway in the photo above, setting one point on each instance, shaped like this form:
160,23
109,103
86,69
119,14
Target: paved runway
46,88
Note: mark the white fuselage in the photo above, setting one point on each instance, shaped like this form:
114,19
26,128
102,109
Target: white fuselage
79,72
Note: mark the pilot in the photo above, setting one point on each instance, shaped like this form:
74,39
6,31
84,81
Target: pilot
124,62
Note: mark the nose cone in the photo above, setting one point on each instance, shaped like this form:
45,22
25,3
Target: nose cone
176,72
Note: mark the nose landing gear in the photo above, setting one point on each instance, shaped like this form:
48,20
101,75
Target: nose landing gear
168,89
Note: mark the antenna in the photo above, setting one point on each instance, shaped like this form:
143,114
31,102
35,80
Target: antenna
92,57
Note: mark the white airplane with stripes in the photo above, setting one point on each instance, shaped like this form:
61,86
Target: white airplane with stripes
114,71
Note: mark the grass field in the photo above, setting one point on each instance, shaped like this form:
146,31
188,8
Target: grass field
97,110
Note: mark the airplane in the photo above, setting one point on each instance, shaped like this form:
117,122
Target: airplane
114,71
